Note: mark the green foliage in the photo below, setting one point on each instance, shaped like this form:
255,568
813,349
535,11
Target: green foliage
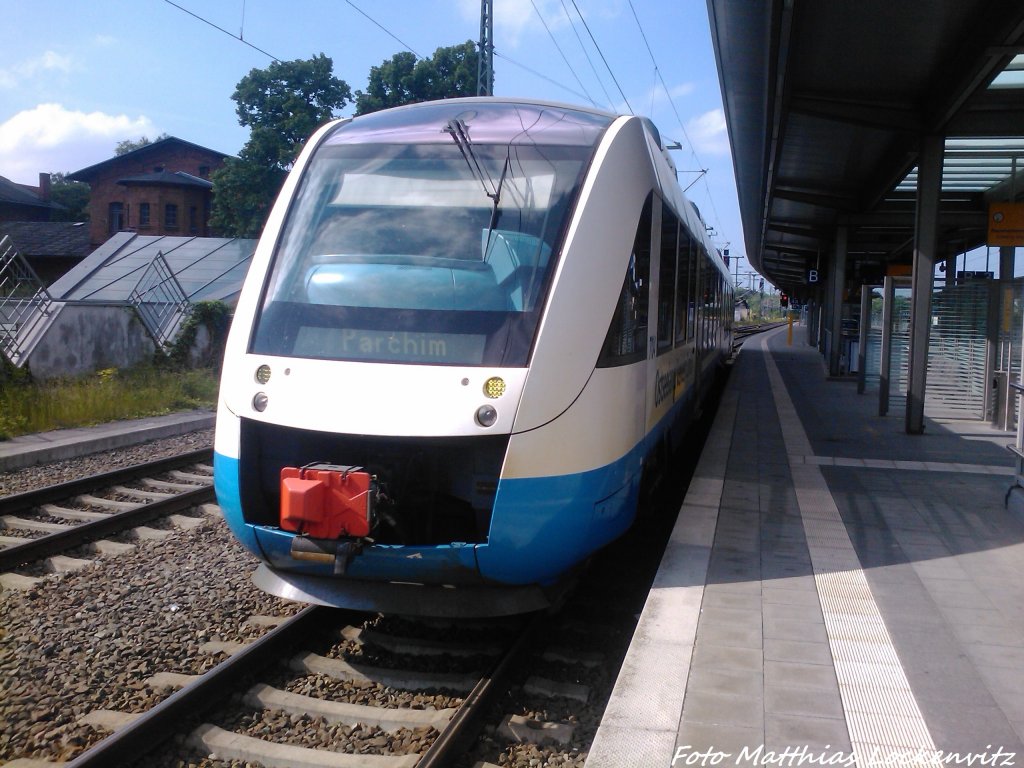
282,105
73,195
107,395
215,317
243,193
449,73
286,102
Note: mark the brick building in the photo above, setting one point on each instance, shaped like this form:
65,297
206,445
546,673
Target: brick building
163,188
21,202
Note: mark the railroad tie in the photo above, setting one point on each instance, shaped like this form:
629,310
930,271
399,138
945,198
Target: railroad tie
226,745
268,697
337,669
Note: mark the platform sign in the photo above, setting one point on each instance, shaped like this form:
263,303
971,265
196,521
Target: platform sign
1006,224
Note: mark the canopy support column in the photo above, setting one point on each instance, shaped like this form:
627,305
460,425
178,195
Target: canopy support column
837,282
926,229
885,366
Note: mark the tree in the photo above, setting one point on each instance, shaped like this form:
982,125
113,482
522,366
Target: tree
448,74
73,195
282,105
130,145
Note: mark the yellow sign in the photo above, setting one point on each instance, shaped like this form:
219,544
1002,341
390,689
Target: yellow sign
1006,224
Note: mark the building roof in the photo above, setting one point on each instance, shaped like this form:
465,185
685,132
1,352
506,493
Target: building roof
17,194
155,148
207,268
167,179
48,239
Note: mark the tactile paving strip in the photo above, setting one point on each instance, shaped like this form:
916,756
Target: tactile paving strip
881,713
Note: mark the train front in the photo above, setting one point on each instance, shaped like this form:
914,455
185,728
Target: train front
378,357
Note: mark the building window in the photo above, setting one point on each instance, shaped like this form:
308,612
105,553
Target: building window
171,216
115,217
193,219
143,214
204,171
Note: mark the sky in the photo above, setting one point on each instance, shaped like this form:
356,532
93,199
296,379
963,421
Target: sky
79,76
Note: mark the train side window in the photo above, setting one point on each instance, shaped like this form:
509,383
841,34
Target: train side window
626,340
684,294
667,278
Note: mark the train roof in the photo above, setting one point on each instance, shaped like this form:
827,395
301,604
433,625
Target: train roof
487,120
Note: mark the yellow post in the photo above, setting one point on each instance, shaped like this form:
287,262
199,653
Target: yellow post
789,330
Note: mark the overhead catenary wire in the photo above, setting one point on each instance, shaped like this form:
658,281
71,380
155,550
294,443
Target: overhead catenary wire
384,29
240,36
601,54
586,54
561,53
702,174
668,93
221,29
535,73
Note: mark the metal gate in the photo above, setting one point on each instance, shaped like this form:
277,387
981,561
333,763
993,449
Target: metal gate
956,350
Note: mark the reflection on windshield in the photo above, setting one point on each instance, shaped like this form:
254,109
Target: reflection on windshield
384,241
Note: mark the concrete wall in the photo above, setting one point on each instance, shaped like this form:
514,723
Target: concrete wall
85,338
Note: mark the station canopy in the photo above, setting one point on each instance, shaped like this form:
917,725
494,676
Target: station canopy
827,103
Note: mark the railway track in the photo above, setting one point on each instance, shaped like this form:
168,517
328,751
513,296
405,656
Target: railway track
441,734
67,517
257,720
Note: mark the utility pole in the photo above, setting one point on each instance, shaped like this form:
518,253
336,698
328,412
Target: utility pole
485,61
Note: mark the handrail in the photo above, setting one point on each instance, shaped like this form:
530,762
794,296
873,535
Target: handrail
24,301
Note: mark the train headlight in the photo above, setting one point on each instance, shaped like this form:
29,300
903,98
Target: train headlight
486,415
263,374
494,387
259,402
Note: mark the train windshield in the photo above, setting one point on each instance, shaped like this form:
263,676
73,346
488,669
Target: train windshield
436,253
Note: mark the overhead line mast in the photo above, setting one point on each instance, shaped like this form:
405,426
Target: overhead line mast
485,61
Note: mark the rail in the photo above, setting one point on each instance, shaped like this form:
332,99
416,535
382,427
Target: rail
54,543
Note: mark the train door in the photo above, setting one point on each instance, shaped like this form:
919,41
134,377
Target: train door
630,340
665,368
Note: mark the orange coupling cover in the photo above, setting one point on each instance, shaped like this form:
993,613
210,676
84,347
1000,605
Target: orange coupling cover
326,501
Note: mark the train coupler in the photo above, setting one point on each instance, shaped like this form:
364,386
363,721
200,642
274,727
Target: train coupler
332,552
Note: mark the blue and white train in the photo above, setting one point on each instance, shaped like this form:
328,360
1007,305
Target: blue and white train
470,329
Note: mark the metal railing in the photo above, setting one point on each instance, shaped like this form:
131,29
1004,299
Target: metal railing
24,302
160,301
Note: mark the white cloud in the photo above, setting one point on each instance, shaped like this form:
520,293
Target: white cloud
50,138
708,133
49,61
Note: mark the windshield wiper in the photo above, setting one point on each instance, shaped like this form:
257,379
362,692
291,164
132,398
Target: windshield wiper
460,135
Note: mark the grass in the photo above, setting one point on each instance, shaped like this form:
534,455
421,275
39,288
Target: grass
109,395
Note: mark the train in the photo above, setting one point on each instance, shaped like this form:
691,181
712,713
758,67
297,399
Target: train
472,333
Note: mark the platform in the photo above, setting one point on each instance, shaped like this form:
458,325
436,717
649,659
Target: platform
42,447
835,591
